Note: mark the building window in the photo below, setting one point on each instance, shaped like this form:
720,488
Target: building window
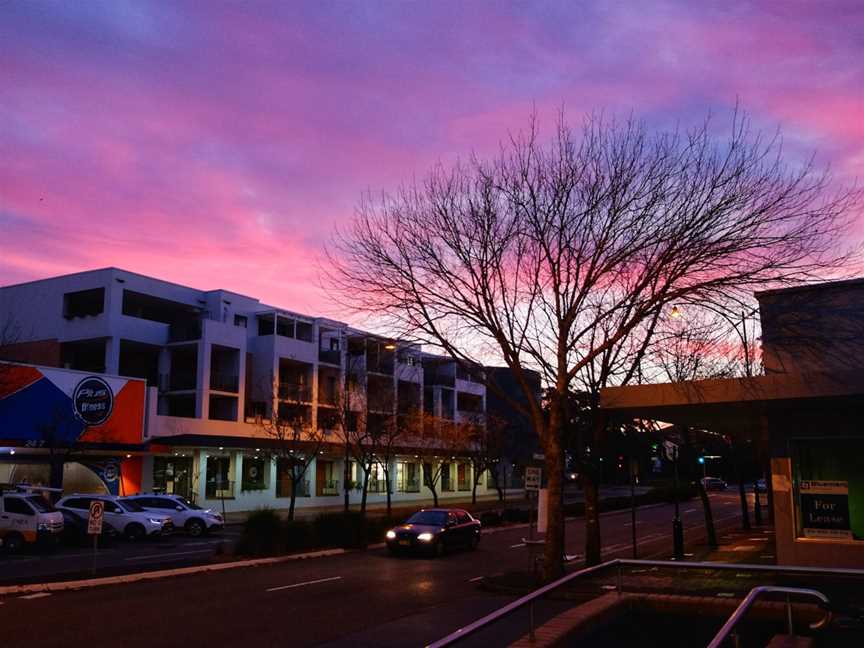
829,488
254,474
241,321
407,477
173,476
219,484
284,483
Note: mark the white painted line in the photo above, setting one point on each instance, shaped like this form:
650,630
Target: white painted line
521,544
474,580
608,587
312,582
168,555
35,596
689,510
767,556
725,594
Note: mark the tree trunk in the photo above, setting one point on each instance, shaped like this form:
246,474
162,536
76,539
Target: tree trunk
709,516
389,498
553,553
55,479
593,542
365,491
293,499
346,480
474,489
434,495
742,494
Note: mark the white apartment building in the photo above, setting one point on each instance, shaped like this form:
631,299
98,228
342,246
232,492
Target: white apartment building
218,364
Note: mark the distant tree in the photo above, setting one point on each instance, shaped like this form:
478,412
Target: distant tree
529,252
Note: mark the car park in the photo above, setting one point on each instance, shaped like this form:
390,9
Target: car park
435,531
185,515
714,484
128,518
27,518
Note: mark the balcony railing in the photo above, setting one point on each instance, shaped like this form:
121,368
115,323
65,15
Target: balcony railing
186,332
224,382
410,486
295,392
178,381
329,487
329,356
377,486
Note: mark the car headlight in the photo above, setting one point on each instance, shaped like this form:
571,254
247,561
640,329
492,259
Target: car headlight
425,537
156,521
43,526
391,535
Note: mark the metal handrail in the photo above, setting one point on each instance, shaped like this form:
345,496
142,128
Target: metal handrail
471,628
620,563
754,594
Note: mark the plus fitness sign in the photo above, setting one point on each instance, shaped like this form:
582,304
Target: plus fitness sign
93,401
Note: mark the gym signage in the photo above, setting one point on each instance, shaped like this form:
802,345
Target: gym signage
93,401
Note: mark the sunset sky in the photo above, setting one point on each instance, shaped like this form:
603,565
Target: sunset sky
218,144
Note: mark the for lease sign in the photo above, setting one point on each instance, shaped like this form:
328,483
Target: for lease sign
825,509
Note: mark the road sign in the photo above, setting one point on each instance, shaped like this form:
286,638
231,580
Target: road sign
94,520
532,478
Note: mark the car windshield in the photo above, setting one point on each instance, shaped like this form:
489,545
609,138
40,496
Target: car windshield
131,506
431,518
40,504
188,504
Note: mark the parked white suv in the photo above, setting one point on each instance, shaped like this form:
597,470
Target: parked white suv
185,515
26,517
127,517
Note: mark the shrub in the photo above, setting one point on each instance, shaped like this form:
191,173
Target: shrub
262,534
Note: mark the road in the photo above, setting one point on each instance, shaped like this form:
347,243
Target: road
177,550
355,599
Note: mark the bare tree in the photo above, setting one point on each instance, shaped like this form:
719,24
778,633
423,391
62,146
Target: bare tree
297,444
527,253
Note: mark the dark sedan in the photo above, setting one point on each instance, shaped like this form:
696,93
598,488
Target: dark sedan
435,531
75,530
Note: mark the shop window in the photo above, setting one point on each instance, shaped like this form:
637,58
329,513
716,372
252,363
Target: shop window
254,474
218,484
173,475
829,488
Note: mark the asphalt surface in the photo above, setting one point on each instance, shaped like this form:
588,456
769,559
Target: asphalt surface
178,550
355,599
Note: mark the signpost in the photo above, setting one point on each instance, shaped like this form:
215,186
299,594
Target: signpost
94,525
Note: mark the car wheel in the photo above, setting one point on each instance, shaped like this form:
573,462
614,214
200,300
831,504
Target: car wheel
195,528
13,542
135,532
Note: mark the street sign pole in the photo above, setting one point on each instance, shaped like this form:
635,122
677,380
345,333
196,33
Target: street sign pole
94,526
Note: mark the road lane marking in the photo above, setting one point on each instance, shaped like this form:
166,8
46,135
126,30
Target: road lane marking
692,510
168,555
474,580
35,596
521,544
312,582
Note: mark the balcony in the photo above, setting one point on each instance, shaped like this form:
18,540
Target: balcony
184,332
330,357
224,382
295,392
179,381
